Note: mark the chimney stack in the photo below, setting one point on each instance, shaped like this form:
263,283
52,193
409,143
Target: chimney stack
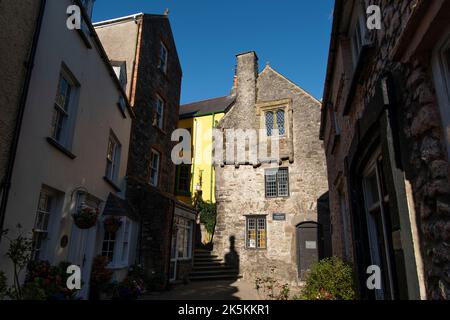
247,74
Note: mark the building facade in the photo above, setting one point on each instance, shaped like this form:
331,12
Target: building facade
385,124
269,204
73,148
146,43
200,118
21,35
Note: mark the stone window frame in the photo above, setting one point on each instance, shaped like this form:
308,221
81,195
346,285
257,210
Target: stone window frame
273,106
441,74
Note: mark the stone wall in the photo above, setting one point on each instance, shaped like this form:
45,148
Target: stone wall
240,190
423,149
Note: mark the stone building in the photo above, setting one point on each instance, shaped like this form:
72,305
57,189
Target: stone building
72,149
268,207
385,125
17,46
145,42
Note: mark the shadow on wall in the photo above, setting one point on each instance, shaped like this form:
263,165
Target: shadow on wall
232,257
324,221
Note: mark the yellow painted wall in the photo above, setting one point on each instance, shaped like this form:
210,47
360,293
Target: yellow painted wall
201,129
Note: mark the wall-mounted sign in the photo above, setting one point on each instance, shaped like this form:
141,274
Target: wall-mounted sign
311,245
279,216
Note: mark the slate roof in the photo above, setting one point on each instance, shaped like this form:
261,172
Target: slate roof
198,108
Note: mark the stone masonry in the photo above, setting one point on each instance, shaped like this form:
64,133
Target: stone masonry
403,50
240,188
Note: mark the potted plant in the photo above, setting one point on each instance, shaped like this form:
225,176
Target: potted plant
112,224
85,218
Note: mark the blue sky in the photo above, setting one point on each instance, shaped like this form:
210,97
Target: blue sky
292,35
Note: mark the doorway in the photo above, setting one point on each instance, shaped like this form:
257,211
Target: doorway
308,243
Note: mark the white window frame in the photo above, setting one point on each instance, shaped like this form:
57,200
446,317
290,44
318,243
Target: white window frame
441,74
44,230
163,57
159,112
186,228
113,161
154,168
123,244
65,111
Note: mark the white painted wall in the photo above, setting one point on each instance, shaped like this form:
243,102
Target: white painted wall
39,163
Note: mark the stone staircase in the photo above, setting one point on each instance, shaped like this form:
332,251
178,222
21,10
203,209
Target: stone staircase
208,266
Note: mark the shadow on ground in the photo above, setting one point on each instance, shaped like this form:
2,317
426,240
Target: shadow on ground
209,290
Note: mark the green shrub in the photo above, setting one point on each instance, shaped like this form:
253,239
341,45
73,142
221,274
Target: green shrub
329,279
208,213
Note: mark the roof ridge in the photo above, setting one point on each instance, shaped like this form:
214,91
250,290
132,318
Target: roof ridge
290,81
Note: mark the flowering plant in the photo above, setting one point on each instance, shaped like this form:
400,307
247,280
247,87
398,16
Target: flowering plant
86,217
112,224
46,282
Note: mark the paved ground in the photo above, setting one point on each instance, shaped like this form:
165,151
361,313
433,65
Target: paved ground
209,290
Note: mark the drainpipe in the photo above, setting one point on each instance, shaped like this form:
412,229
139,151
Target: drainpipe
6,185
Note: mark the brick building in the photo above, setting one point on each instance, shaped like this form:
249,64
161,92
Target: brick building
385,124
145,42
269,211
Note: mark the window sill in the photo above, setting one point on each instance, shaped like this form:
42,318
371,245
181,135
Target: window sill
112,184
60,147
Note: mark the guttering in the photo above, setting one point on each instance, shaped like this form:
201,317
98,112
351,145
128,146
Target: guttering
21,110
331,60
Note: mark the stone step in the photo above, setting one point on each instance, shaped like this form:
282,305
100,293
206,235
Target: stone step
207,263
207,259
216,277
212,267
205,255
218,272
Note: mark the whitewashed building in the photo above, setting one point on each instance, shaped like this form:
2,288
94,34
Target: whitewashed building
73,149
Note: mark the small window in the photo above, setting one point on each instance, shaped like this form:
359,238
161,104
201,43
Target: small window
113,159
275,120
277,182
184,178
256,233
163,58
357,36
41,224
61,114
159,113
109,242
154,168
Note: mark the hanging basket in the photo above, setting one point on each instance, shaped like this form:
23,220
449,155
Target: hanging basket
85,218
112,224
